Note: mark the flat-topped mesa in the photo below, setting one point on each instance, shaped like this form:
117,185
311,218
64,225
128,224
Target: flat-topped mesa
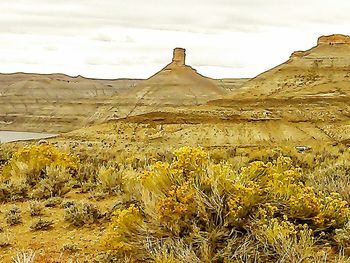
333,39
179,56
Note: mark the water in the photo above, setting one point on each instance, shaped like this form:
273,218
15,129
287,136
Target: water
11,136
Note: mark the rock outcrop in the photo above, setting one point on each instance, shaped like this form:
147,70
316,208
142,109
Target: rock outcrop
176,84
333,39
320,72
179,57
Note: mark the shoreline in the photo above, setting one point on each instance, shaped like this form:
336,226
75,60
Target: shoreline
13,136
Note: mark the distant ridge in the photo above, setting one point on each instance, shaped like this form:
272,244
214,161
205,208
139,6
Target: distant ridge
53,102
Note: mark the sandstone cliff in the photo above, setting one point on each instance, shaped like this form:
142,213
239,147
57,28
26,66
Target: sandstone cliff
322,71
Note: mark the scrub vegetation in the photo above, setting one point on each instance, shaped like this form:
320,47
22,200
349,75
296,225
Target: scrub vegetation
187,205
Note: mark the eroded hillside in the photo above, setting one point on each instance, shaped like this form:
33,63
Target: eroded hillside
322,71
231,124
59,103
53,102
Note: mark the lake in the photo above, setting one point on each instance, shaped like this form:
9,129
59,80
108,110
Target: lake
11,136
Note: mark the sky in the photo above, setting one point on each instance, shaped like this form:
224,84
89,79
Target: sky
135,38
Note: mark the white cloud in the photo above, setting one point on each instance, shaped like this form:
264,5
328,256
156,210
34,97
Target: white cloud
134,38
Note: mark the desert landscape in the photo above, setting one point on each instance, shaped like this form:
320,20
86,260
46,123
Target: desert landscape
179,167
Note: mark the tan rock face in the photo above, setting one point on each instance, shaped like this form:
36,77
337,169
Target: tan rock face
334,39
320,72
179,56
176,84
58,103
298,54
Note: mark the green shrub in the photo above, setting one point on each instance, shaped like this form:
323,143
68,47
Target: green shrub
56,183
14,190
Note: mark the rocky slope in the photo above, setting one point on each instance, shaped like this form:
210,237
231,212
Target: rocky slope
231,84
320,72
59,103
177,84
53,102
240,124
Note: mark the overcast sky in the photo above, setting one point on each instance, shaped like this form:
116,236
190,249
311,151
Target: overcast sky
135,38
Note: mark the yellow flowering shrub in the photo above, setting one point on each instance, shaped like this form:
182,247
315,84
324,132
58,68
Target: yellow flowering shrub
334,212
125,232
190,161
304,204
209,207
38,171
243,199
178,208
36,158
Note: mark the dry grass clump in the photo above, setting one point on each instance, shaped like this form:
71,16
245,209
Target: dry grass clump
191,210
5,240
70,248
24,257
13,216
6,152
109,179
335,177
36,208
80,214
41,224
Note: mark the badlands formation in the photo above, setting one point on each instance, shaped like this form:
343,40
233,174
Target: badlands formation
59,103
177,84
53,102
303,101
320,72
